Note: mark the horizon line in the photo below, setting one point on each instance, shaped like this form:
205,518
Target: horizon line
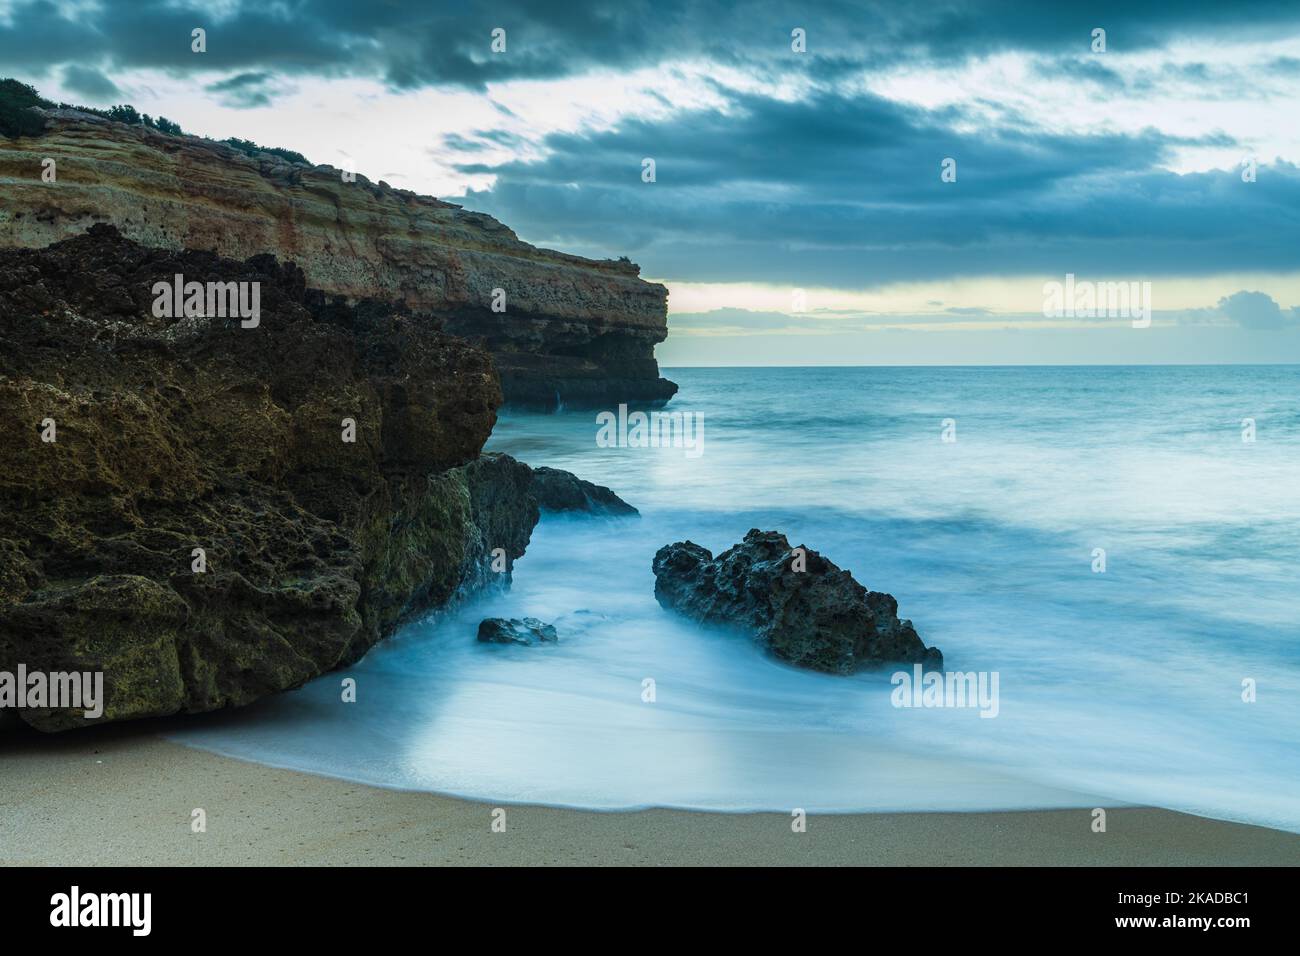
663,367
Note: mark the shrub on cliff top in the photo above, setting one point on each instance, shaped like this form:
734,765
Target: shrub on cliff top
249,148
16,116
17,119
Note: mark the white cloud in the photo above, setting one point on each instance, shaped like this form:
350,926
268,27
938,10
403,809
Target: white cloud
1238,95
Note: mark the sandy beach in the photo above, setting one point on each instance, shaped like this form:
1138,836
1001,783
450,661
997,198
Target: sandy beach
124,796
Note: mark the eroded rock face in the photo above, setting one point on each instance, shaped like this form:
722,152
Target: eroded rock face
129,441
819,618
574,331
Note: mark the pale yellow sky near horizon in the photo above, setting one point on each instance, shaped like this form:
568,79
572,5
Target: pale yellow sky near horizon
997,294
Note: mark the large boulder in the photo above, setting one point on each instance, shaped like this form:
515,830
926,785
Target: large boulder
130,440
514,630
799,605
558,490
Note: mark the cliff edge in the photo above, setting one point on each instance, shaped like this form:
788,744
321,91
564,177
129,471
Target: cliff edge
574,331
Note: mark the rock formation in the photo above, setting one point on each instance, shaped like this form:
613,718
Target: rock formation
817,617
557,490
513,630
574,331
180,504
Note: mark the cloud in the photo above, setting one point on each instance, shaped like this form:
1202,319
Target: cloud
1244,307
733,320
1080,69
1254,310
90,83
247,90
416,43
843,189
796,172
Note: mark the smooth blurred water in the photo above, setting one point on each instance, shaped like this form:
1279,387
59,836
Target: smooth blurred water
1123,686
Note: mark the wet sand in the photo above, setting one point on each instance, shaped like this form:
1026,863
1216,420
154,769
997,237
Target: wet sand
124,796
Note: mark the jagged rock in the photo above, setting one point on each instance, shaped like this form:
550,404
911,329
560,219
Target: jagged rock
513,630
818,618
558,490
574,331
177,434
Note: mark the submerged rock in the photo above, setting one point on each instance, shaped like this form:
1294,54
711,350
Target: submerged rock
513,630
818,617
557,490
209,512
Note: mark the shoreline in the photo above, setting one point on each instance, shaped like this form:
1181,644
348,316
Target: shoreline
124,796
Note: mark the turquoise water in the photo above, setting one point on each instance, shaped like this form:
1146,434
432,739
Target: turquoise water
1115,687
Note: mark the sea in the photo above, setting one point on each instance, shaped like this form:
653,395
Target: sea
1120,546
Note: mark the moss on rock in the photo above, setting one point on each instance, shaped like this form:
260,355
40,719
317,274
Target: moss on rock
171,434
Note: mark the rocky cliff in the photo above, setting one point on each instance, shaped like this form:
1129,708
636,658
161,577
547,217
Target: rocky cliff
573,330
209,510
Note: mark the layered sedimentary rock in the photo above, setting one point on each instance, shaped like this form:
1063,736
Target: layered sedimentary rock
800,606
574,330
209,511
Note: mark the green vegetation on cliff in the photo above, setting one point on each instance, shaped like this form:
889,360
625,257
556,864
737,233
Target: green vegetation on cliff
17,119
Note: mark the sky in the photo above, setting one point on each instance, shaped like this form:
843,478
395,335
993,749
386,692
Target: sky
833,183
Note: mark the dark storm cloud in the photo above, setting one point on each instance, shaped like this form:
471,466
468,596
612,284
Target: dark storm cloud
90,83
846,191
152,34
855,144
247,90
417,43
